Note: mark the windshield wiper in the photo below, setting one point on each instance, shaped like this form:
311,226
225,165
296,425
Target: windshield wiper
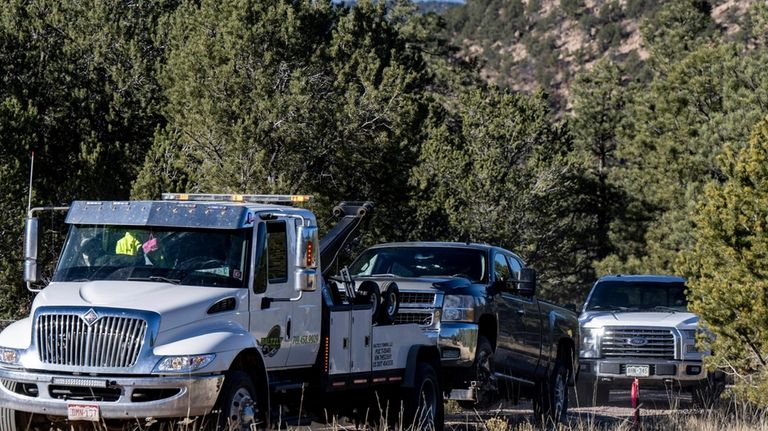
608,308
665,308
155,278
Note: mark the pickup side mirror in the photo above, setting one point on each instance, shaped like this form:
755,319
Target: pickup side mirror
31,270
526,286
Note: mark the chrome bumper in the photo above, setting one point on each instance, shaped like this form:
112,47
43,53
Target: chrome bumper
457,343
661,371
196,394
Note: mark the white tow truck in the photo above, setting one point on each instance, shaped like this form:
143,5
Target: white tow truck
206,308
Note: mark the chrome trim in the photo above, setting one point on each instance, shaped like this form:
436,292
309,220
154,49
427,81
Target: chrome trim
680,368
196,396
661,343
62,340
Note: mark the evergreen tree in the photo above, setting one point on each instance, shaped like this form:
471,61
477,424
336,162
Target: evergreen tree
498,171
77,86
728,267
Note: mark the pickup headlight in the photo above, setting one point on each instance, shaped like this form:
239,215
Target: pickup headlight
9,356
458,308
590,340
183,364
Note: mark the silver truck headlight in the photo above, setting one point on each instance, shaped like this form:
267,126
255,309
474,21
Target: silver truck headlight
9,356
183,364
458,308
590,341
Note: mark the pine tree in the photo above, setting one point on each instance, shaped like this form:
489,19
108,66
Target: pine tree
728,267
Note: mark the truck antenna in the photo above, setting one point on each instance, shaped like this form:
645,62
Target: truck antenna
31,169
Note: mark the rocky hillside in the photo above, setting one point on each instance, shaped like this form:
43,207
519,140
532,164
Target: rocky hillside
540,44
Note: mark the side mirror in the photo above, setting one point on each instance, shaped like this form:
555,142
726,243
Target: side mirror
306,280
306,247
31,271
527,284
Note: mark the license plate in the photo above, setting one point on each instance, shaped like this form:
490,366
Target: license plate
82,412
638,370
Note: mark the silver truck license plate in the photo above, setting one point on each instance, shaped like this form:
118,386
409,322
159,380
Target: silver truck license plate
638,370
82,412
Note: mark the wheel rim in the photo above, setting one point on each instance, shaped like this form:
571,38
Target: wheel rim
242,410
559,396
484,377
427,405
391,304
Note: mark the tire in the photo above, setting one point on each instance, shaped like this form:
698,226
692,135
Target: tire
369,293
237,407
482,373
390,304
551,402
422,404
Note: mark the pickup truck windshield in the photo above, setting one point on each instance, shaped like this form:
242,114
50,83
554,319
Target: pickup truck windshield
216,258
422,262
638,296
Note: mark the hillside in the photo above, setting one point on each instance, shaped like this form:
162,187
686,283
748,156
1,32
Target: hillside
541,44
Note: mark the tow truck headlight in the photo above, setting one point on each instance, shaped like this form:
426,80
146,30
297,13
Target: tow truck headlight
183,364
458,308
589,342
9,356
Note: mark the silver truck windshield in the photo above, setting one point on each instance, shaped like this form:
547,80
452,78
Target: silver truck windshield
645,296
209,257
422,262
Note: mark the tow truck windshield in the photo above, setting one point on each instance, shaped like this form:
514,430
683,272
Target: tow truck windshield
633,296
203,257
421,262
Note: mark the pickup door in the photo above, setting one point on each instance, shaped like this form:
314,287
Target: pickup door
519,322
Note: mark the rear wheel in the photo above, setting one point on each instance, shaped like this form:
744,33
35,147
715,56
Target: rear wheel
551,402
423,403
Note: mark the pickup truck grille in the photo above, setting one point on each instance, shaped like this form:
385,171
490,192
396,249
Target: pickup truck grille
417,298
424,318
107,342
638,342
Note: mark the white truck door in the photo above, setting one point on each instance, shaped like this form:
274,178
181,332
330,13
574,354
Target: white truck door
269,321
360,355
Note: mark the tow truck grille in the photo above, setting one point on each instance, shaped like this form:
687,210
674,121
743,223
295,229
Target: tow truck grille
638,342
109,342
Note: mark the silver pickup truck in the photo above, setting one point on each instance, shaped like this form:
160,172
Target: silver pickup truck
638,326
496,338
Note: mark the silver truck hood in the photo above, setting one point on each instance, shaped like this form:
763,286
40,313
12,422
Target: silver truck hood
594,319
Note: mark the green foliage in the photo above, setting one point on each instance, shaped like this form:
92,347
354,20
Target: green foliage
500,172
77,85
677,29
680,124
572,8
728,267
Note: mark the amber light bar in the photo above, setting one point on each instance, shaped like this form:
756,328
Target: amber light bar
220,197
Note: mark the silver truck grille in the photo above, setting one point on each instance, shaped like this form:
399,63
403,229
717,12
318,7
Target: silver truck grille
638,342
422,318
109,342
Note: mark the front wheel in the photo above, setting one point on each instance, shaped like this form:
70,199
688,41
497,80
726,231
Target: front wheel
551,401
481,372
423,403
237,408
